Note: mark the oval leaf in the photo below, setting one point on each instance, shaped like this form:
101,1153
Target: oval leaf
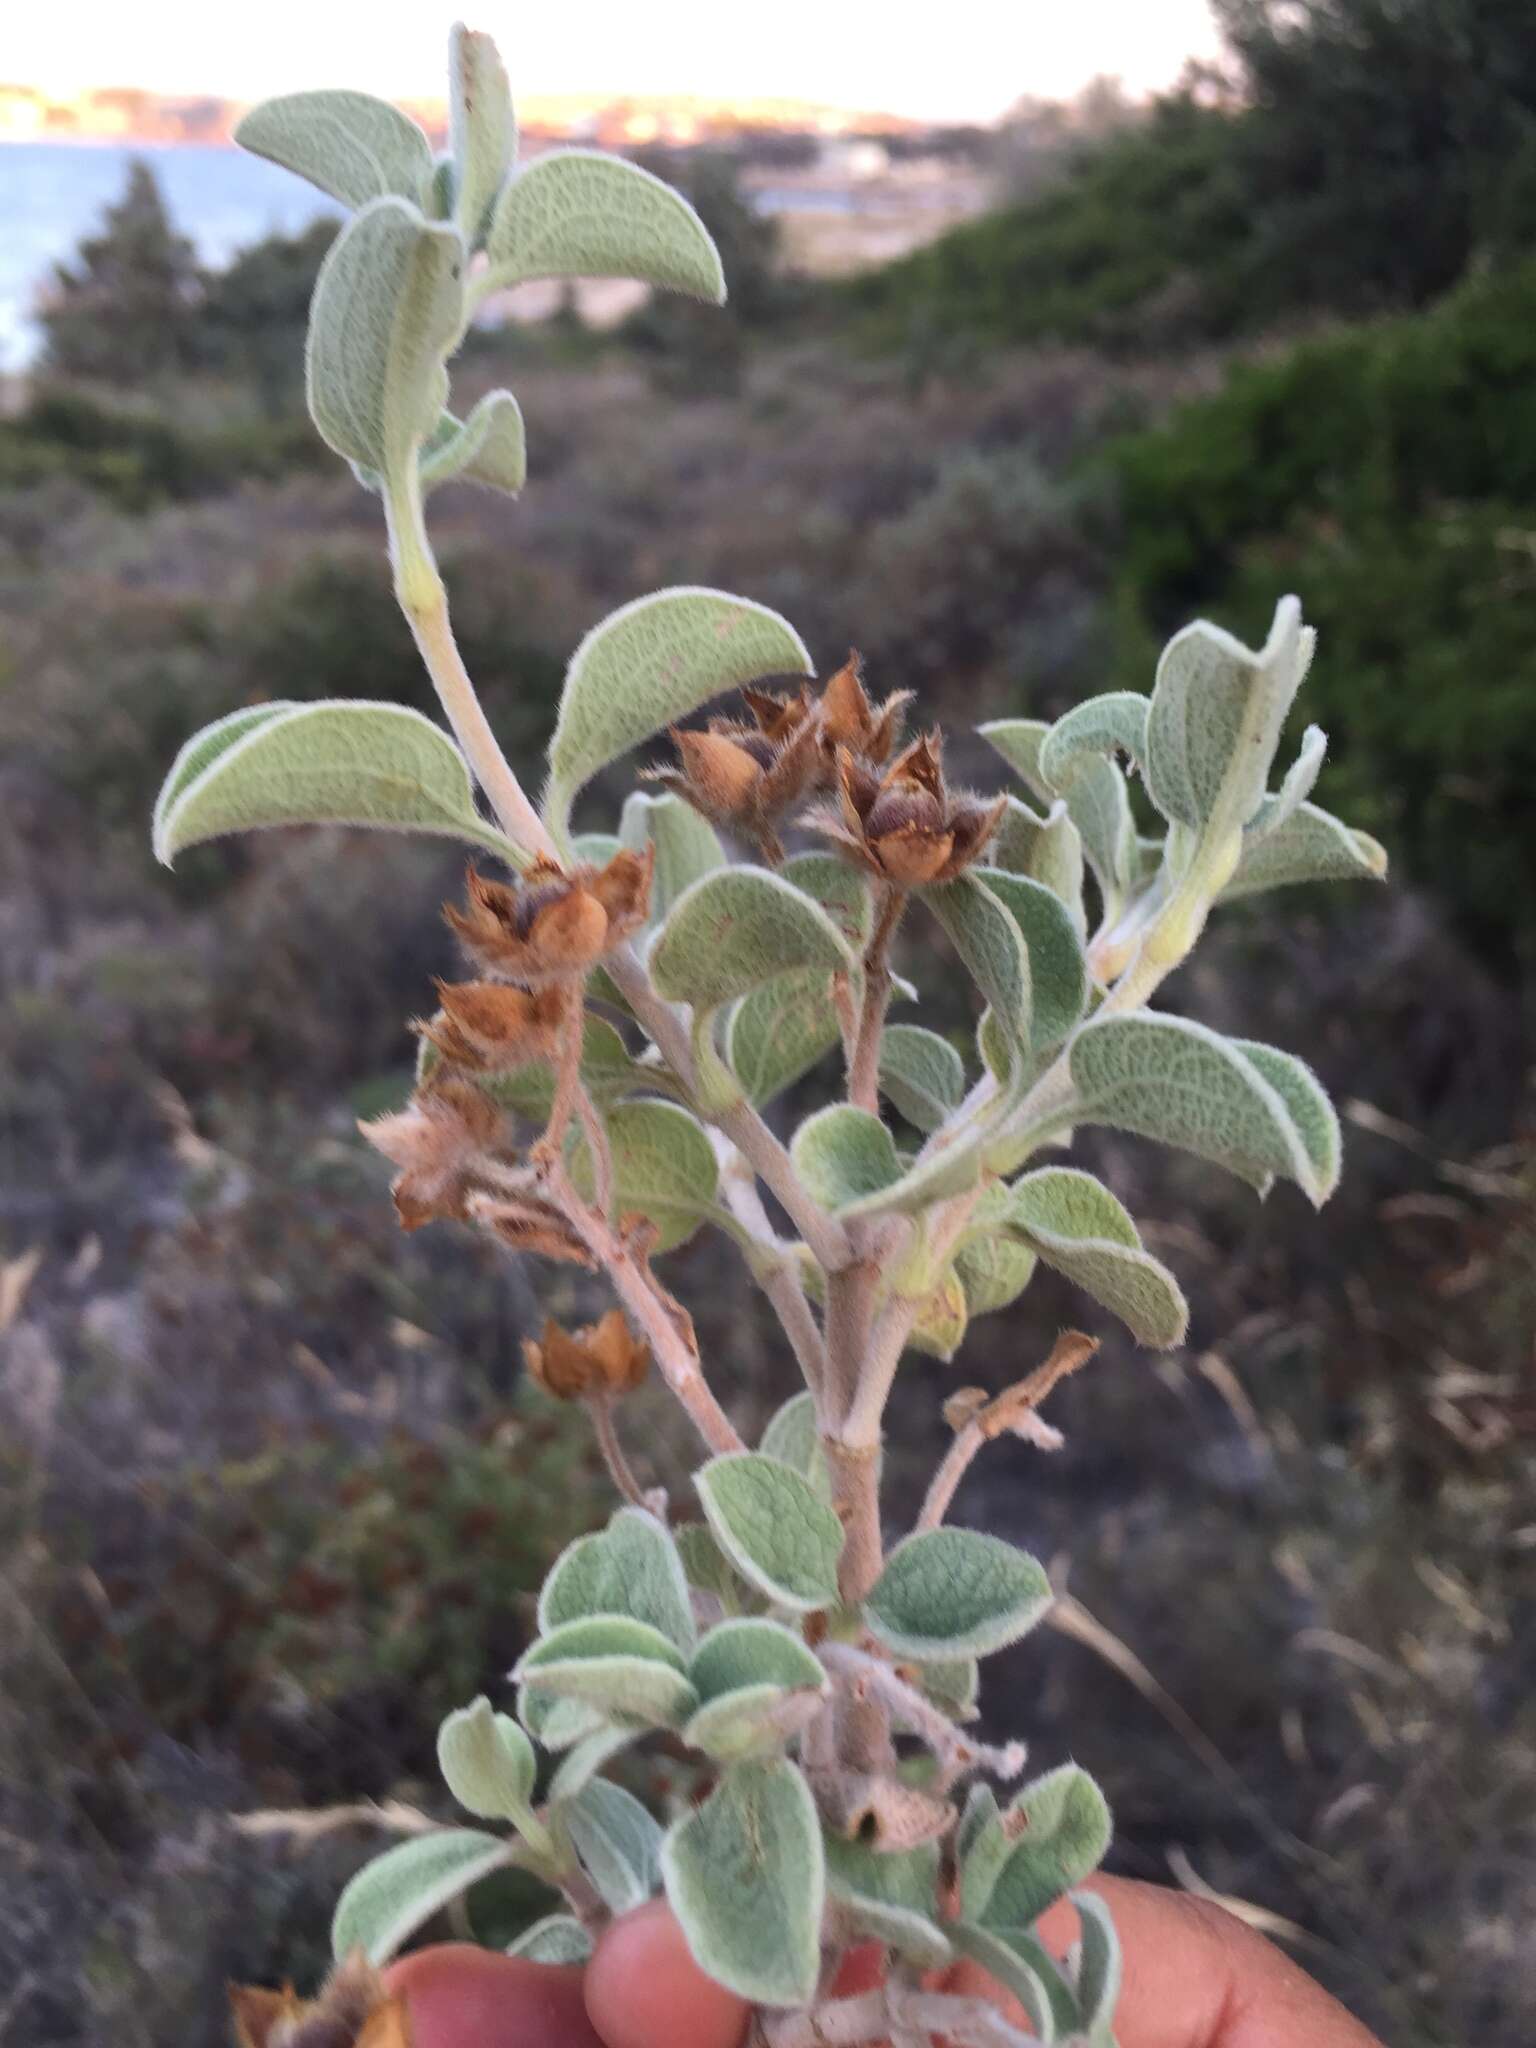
1073,1222
487,1762
777,1034
205,747
1174,1080
663,1167
351,145
1100,1967
686,846
618,1842
891,1898
990,944
793,1436
1216,715
487,448
753,1652
580,213
1108,725
955,1593
752,1721
1058,968
746,1878
776,1530
481,129
1022,1965
737,929
333,763
921,1074
387,307
627,1671
557,1939
844,1154
630,1568
1063,1827
1310,846
651,663
400,1891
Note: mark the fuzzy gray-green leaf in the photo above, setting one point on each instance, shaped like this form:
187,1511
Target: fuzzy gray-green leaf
843,1155
1217,712
337,763
1108,725
663,1166
387,307
774,1527
891,1897
559,1938
1075,1224
353,146
1310,846
627,1671
746,1878
487,1762
1064,1827
753,1721
686,846
205,747
990,944
481,128
1022,1965
1048,850
1058,969
755,1651
737,929
618,1842
400,1891
793,1436
921,1074
1100,1967
630,1568
1174,1080
776,1034
487,448
579,213
955,1593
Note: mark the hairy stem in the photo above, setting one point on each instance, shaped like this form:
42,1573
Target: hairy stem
600,1408
777,1271
421,596
740,1122
1010,1411
864,1062
864,1731
676,1355
919,1716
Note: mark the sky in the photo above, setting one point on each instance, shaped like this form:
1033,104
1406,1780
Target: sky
959,60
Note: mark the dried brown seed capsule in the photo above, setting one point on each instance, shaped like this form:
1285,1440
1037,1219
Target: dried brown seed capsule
743,778
907,826
353,2010
555,924
849,720
604,1358
435,1141
491,1027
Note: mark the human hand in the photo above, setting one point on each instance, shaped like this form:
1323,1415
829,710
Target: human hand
1194,1978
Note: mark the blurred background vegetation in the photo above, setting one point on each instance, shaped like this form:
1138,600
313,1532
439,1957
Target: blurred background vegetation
273,1498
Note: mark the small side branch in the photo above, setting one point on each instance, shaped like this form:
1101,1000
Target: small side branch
1012,1412
907,1707
600,1408
893,2010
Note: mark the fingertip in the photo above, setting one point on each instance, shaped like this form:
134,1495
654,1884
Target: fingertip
644,1990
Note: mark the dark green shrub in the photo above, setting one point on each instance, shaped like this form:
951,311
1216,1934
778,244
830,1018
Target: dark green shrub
1389,472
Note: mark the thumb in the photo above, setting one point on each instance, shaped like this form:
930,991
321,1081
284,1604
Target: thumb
460,1996
644,1990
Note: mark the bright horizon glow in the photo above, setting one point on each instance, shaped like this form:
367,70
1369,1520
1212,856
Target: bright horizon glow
842,53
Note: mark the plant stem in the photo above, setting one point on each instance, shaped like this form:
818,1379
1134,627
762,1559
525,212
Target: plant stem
864,1062
1010,1411
421,596
954,1750
675,1355
740,1121
600,1408
855,1475
777,1272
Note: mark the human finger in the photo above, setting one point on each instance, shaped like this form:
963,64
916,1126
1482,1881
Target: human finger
460,1996
644,1990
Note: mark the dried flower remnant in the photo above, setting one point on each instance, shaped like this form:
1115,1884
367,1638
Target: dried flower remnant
748,779
603,1358
353,2011
490,1027
436,1141
528,1224
556,924
849,721
907,826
